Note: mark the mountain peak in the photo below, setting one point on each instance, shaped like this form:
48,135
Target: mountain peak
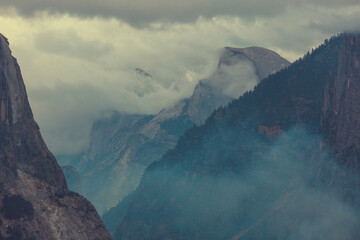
239,70
251,50
3,38
264,60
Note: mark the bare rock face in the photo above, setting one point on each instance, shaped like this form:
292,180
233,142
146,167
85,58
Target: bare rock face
14,104
35,202
239,70
265,61
204,101
341,110
120,149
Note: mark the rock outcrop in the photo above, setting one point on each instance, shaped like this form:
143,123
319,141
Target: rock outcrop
341,109
265,61
35,202
239,70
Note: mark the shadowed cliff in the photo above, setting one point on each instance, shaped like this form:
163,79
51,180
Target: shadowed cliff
35,202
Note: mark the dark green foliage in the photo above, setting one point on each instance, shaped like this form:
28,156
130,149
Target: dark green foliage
115,215
15,233
177,126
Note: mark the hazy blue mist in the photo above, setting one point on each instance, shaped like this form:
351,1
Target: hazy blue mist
287,191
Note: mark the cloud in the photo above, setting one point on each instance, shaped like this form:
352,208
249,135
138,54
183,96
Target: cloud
143,12
346,19
93,46
75,70
69,43
279,191
234,80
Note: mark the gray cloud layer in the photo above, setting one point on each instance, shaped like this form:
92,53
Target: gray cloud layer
70,44
75,52
143,12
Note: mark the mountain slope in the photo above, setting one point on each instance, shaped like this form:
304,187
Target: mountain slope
281,162
237,71
123,145
35,202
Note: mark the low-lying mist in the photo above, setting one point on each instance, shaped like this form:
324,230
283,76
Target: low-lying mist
290,190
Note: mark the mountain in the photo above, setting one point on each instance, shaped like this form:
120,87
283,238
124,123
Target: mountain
239,70
265,61
35,202
280,162
123,145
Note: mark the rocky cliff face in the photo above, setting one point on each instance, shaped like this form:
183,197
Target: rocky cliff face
120,149
280,162
35,202
341,109
239,70
264,60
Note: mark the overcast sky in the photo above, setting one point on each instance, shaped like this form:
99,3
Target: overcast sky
78,56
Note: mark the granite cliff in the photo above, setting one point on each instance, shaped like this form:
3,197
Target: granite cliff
35,202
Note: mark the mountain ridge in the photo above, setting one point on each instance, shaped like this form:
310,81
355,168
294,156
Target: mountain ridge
121,149
207,96
279,139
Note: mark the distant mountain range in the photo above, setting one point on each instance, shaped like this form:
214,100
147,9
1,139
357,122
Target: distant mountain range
123,145
280,162
35,202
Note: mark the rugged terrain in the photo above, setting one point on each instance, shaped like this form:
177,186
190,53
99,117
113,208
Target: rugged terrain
123,145
280,162
35,202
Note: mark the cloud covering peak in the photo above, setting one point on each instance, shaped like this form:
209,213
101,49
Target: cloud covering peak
75,52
